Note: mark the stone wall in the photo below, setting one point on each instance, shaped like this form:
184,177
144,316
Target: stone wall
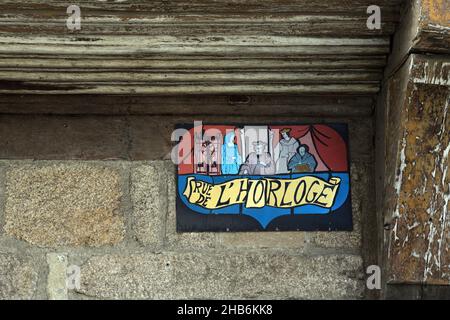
99,193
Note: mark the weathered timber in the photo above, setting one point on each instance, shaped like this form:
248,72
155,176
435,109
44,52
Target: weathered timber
416,195
424,28
194,47
236,105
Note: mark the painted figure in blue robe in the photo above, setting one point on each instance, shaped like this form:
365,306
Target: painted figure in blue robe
302,161
231,160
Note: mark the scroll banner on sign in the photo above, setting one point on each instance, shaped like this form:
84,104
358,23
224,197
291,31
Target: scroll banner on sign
258,193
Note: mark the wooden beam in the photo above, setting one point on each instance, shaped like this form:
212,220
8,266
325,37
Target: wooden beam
235,105
424,28
194,47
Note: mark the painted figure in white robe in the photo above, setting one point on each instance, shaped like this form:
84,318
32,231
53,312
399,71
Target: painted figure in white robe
288,148
258,162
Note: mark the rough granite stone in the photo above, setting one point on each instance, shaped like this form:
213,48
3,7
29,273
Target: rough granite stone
73,204
223,275
18,277
149,201
261,240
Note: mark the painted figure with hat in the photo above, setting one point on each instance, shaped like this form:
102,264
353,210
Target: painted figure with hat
302,161
258,162
288,148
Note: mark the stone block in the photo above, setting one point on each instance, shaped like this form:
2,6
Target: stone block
149,202
64,204
224,275
18,277
262,240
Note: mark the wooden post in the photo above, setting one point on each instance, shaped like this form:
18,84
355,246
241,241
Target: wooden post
413,146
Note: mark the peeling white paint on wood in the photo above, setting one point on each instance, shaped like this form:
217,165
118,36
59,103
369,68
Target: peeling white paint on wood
216,47
418,243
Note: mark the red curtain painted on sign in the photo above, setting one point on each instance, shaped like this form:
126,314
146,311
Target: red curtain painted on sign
325,143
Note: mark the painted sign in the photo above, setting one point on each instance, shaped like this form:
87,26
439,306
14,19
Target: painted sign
267,177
